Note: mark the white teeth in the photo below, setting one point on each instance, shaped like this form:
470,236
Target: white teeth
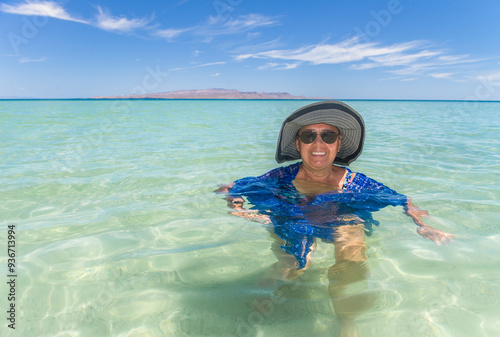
319,153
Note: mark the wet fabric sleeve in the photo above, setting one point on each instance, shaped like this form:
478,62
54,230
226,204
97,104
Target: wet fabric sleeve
379,194
277,177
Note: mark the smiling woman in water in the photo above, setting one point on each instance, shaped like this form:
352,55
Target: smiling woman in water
320,198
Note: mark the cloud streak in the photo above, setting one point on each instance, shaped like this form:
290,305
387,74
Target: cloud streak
218,27
343,52
408,58
278,66
103,20
491,79
30,60
241,24
40,8
108,22
171,33
214,26
442,75
198,66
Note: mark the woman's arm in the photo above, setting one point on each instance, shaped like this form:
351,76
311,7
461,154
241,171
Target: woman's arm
426,231
236,203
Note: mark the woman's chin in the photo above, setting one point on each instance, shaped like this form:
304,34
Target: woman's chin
319,161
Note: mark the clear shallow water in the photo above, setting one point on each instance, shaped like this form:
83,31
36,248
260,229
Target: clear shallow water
119,232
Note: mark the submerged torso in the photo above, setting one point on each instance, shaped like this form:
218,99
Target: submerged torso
302,210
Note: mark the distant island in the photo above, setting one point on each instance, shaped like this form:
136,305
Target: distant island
211,94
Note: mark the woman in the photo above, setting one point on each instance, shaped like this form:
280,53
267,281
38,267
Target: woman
320,198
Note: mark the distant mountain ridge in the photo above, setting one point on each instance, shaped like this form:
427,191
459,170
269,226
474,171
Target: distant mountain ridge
211,94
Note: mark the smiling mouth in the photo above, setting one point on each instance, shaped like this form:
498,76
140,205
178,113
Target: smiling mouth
318,153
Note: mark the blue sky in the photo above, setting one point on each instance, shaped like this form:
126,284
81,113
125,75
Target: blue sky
345,49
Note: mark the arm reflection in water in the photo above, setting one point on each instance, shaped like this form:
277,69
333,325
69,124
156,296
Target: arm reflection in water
320,198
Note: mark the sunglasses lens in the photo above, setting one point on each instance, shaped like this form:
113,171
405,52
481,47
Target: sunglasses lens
307,137
329,137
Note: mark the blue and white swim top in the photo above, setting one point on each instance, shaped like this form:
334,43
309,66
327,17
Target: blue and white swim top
299,218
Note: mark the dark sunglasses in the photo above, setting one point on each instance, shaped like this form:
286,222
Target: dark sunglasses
309,136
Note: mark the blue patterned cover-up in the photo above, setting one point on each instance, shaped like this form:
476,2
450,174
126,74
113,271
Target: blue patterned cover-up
299,218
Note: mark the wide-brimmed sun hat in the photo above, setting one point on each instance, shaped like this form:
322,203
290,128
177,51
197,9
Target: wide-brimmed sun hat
335,113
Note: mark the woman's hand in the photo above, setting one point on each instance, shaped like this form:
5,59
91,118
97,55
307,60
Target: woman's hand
236,203
435,235
253,215
426,231
224,188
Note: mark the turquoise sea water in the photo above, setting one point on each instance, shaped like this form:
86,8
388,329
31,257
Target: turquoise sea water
119,233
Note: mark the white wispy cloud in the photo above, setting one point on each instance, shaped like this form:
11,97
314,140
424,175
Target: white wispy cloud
442,75
215,26
111,23
40,8
243,23
252,48
453,58
52,9
198,66
398,58
492,78
28,60
346,51
413,58
171,33
278,66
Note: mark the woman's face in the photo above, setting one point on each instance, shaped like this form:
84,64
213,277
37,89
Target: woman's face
318,154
